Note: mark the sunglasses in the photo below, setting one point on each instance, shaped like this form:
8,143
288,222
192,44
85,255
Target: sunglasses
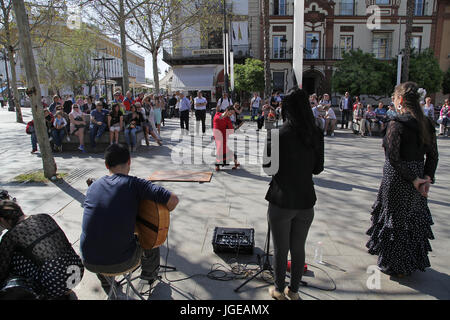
75,107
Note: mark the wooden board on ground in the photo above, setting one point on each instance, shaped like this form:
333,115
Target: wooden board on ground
181,176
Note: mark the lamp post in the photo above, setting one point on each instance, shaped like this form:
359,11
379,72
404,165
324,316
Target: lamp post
225,47
104,59
314,43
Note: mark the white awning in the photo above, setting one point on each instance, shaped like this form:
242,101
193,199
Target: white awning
192,79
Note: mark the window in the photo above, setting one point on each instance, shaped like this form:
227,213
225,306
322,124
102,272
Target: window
279,47
346,44
419,8
347,7
278,80
215,39
381,45
382,2
312,45
279,8
416,43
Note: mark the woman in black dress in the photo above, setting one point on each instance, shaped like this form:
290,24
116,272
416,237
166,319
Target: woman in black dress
291,194
401,219
35,248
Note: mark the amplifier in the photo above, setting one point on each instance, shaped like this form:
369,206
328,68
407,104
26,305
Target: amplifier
229,240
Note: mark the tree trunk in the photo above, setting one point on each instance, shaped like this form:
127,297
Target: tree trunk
155,71
34,89
12,64
266,26
409,25
123,46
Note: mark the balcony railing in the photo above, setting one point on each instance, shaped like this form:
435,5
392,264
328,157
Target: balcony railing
239,51
281,53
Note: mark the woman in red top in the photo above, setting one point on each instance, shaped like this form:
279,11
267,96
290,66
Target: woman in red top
221,129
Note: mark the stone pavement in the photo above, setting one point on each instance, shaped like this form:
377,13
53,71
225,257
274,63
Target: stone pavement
346,191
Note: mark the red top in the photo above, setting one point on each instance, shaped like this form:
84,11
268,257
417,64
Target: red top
127,103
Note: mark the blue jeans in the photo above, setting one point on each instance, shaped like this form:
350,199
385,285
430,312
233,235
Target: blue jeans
254,113
96,131
58,136
132,133
34,141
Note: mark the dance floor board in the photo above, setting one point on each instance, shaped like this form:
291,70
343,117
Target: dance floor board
181,176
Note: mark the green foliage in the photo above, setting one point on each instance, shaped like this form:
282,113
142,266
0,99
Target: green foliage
361,73
249,77
425,71
446,82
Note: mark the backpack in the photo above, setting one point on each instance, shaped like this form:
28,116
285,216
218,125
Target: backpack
30,127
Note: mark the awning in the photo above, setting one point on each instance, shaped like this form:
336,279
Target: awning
3,89
192,79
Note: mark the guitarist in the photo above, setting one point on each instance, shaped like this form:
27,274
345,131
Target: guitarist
107,242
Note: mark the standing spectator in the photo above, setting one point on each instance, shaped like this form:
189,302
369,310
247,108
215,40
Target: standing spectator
330,120
382,117
224,103
98,123
238,115
221,129
59,130
133,126
200,112
172,103
52,107
149,126
128,101
370,117
67,106
157,109
255,104
89,105
345,106
115,123
428,109
355,104
443,117
401,219
77,124
291,194
49,118
32,132
273,100
185,106
359,120
140,97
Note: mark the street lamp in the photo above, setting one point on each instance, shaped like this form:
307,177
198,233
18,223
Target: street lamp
225,47
104,59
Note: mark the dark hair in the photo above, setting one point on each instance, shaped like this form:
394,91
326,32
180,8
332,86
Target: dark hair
300,116
11,211
230,108
408,90
116,154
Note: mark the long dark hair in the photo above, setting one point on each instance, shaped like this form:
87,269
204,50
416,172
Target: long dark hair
300,116
408,90
10,211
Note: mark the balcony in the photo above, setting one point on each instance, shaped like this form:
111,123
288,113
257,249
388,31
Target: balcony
281,53
327,53
202,55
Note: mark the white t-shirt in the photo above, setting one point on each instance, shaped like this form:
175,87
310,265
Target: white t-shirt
256,102
223,104
200,101
330,114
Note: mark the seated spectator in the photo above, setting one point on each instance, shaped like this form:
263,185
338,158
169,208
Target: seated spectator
133,125
370,118
330,120
98,123
67,106
391,113
355,105
52,107
59,130
313,100
35,248
115,123
128,101
89,105
320,121
325,102
78,124
382,117
108,243
359,120
443,117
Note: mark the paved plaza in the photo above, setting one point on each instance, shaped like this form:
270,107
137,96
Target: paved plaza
346,191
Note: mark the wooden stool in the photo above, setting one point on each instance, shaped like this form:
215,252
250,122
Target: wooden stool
128,281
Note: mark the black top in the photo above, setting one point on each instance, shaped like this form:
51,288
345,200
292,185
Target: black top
292,187
115,118
67,106
137,117
172,101
402,143
38,237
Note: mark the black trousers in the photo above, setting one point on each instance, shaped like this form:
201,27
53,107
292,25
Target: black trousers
346,117
200,115
184,119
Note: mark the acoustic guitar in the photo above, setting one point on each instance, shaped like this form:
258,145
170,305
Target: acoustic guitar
152,222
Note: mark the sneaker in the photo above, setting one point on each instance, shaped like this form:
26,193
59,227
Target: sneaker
290,294
68,139
81,148
159,142
332,134
33,151
277,295
324,133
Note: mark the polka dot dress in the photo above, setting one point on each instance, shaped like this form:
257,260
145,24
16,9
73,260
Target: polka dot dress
401,223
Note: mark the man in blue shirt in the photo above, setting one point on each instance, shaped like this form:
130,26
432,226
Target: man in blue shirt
98,123
107,242
185,106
